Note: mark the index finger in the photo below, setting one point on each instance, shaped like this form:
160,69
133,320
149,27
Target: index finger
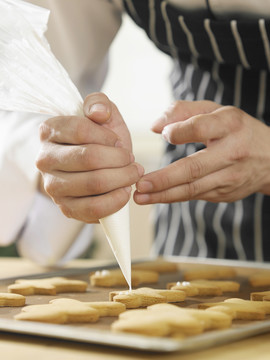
76,130
185,170
200,128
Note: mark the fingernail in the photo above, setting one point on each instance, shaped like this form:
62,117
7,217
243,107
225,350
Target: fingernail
160,120
166,133
140,169
144,186
142,198
97,108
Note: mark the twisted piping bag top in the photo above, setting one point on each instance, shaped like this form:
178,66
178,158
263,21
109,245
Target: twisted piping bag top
117,230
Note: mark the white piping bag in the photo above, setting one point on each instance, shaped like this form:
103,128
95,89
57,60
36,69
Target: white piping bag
117,230
33,80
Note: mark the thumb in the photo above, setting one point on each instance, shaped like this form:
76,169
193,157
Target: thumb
182,110
97,107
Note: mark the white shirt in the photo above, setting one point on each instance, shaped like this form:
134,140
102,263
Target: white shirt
79,37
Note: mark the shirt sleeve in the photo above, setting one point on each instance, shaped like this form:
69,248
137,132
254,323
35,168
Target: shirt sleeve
19,145
48,237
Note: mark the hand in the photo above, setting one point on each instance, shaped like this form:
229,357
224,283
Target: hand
234,164
87,162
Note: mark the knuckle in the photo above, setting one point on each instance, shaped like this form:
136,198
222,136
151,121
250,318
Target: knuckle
87,157
236,116
165,197
93,211
66,210
194,168
164,181
95,185
235,179
42,161
81,131
44,131
196,126
51,186
192,190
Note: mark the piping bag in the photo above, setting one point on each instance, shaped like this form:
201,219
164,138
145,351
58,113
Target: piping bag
33,80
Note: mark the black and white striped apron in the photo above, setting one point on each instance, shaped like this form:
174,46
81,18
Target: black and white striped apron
227,61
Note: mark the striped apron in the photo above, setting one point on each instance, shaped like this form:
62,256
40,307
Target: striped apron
226,61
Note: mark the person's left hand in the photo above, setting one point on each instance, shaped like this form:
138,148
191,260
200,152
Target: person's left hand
234,164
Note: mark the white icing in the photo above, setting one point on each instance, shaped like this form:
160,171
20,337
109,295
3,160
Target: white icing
183,283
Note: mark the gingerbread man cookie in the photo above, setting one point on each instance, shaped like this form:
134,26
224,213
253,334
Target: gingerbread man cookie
159,265
240,309
110,278
143,297
63,311
209,272
205,287
260,296
7,299
170,320
49,286
260,279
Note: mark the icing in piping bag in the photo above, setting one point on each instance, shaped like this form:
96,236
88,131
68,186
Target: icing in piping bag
117,230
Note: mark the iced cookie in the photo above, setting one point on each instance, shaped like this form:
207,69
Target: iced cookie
114,278
143,297
205,287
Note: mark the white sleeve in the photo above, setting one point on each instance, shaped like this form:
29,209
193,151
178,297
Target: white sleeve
42,233
45,234
48,237
19,145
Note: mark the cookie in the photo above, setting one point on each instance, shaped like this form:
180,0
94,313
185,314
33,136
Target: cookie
209,272
260,279
240,309
143,297
205,287
159,265
49,286
213,320
170,320
152,323
7,299
113,278
64,311
260,296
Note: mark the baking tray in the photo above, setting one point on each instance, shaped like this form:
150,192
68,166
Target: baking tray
100,334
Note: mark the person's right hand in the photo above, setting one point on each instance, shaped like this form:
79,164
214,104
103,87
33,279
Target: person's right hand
86,162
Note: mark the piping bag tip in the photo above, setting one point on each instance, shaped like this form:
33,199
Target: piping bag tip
117,230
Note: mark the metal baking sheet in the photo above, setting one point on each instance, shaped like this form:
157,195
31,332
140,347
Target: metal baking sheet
100,334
